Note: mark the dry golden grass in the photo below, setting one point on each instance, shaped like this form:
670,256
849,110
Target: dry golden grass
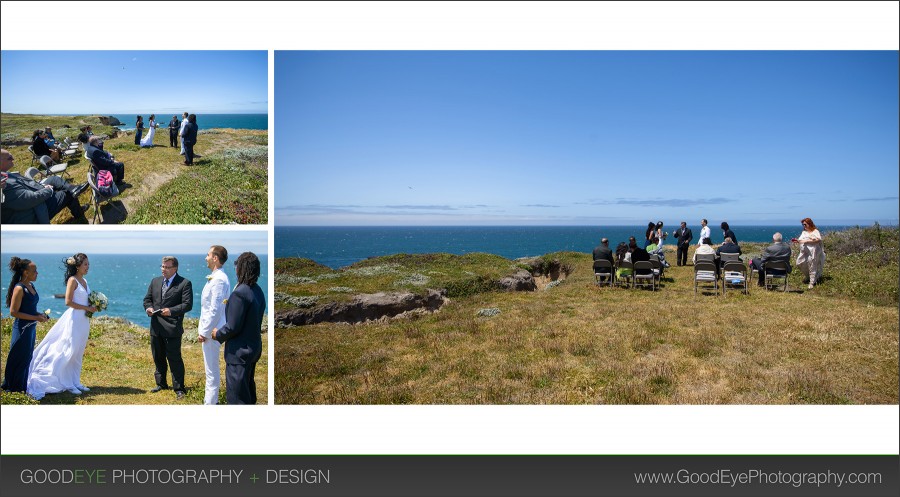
580,344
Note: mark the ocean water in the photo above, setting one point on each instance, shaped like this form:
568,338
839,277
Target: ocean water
204,121
341,246
122,278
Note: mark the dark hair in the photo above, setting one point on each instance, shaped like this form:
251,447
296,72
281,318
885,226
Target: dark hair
71,269
724,225
247,268
659,224
650,227
152,116
17,266
632,244
36,134
707,241
220,252
83,137
621,250
192,118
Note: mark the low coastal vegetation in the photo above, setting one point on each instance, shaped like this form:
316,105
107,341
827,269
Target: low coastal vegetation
118,367
569,341
228,184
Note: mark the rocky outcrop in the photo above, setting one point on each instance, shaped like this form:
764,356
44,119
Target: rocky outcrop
365,307
520,281
109,121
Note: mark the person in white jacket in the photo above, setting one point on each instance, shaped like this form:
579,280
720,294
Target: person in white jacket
212,315
184,121
811,259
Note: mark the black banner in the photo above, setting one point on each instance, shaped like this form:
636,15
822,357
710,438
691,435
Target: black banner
468,475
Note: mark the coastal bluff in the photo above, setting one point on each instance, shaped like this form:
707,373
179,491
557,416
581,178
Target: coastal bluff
401,285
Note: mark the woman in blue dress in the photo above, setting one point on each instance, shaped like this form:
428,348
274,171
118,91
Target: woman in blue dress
22,299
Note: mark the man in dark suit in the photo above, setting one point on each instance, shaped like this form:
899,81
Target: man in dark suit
778,251
603,251
189,139
242,333
26,201
169,297
683,237
101,159
728,247
174,126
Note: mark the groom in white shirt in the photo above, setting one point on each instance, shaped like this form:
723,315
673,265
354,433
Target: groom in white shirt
212,315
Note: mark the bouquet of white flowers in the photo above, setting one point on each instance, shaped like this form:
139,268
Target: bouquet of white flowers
47,313
98,300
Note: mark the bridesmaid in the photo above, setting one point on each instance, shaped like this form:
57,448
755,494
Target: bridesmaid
22,300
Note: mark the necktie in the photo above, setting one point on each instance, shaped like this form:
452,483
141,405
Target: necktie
165,287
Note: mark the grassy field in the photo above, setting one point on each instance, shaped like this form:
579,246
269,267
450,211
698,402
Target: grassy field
571,342
227,185
118,367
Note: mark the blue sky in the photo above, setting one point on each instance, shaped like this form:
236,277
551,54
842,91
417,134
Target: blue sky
134,242
134,82
585,138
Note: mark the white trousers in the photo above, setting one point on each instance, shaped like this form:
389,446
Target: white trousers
213,377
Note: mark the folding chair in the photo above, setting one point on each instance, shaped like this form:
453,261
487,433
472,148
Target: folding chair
705,272
729,257
626,279
604,271
658,268
51,168
645,275
775,270
33,174
34,156
734,273
98,198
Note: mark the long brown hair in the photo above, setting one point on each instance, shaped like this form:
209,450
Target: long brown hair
810,225
72,269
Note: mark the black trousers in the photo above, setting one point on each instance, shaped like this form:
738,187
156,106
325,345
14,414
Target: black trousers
137,136
240,383
173,138
681,255
168,350
62,199
188,152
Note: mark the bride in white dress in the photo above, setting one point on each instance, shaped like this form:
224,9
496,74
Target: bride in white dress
56,366
147,141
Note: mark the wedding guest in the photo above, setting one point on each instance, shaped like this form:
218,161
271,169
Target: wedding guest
40,147
728,247
704,232
174,125
212,315
26,201
602,251
727,233
777,252
656,248
169,297
189,139
638,254
811,259
184,122
705,248
242,333
138,130
51,140
103,160
622,255
22,300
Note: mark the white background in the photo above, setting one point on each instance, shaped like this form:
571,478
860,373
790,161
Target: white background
442,429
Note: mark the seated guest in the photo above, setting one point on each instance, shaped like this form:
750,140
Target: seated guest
778,251
103,159
83,138
705,248
656,249
622,255
26,201
602,251
40,147
728,247
51,140
638,254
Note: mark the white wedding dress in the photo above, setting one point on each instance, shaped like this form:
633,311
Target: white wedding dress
147,141
56,366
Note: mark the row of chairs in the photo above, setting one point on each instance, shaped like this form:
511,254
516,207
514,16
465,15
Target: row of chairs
642,273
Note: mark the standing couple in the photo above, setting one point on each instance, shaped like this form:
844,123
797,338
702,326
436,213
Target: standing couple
55,365
233,317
